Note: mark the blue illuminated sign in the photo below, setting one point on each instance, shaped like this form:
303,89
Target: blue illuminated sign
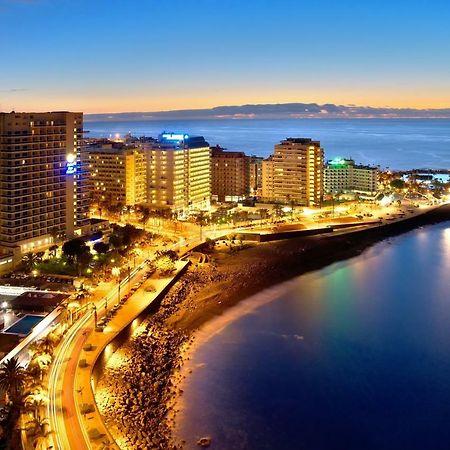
174,137
71,168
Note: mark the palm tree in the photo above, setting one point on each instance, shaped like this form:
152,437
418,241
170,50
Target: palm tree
35,400
47,343
29,261
12,379
40,430
52,250
263,213
277,210
54,232
106,445
40,364
145,215
201,220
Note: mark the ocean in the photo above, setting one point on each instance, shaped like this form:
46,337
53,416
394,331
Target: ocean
389,143
352,357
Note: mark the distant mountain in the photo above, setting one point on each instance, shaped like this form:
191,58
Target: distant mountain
276,111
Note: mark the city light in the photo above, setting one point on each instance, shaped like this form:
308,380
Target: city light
174,136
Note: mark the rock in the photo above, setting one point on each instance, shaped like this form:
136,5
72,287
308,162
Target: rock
204,442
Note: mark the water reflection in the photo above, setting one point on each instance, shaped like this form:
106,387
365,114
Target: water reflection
356,356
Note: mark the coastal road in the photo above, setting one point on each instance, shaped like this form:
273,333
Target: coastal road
64,405
63,410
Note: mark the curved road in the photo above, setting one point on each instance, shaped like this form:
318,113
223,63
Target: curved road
64,410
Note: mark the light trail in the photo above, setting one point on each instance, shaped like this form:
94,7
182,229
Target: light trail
58,411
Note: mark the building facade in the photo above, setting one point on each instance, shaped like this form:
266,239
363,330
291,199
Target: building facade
118,174
343,175
230,175
267,190
179,173
255,178
43,191
298,172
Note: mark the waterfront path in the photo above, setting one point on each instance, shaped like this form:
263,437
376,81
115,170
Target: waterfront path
74,415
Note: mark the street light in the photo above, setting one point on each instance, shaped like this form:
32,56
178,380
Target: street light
94,307
116,272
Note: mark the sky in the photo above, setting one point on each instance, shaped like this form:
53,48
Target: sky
149,55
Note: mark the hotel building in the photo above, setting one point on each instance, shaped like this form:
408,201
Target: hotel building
255,168
267,179
42,180
118,174
343,175
179,173
230,175
298,172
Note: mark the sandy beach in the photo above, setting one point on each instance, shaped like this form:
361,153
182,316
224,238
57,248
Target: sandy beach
138,390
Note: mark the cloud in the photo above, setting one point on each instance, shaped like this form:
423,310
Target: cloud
14,90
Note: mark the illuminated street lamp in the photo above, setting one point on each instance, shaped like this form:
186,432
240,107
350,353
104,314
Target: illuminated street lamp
116,272
94,307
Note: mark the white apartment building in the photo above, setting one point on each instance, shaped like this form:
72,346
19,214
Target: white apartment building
179,173
118,175
298,172
42,180
343,175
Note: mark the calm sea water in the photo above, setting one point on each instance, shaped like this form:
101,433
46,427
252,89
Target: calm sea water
352,357
398,144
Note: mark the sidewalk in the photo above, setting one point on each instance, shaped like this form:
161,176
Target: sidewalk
95,342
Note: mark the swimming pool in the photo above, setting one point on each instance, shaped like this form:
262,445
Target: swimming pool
24,325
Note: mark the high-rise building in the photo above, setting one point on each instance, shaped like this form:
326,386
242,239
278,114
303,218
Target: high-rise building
343,175
267,190
230,175
298,172
42,179
179,173
255,168
118,174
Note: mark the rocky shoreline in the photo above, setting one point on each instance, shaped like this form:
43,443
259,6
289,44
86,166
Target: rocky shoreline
141,386
141,381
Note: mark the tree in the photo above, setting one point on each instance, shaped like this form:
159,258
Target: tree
165,265
201,220
47,343
54,233
12,380
35,400
165,261
116,240
39,256
83,261
398,183
101,247
277,210
52,250
145,215
77,252
171,254
29,261
106,445
40,364
263,213
40,430
74,248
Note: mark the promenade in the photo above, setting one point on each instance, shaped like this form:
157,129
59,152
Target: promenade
76,420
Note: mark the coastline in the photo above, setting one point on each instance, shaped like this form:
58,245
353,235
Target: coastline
205,292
